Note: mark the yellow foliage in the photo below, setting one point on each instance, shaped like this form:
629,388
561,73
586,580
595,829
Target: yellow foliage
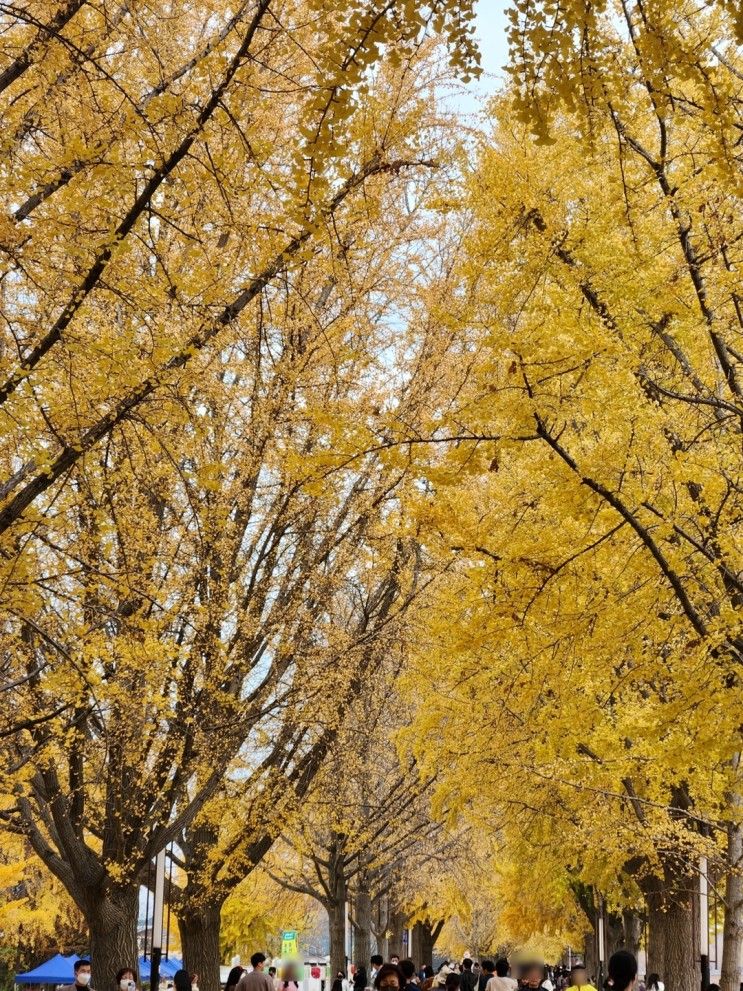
257,911
37,915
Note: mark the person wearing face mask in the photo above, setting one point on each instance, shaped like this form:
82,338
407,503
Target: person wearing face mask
126,980
82,977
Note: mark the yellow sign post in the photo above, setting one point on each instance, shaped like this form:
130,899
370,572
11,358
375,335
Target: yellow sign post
289,944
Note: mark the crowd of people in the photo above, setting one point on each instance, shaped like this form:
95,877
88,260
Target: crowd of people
126,979
470,975
258,978
239,979
403,975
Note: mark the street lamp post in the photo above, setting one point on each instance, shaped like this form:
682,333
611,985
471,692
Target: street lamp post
157,922
601,941
347,938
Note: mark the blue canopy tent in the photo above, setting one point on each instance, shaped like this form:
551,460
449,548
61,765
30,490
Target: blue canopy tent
58,970
167,968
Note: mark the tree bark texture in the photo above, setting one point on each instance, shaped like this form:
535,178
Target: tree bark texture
112,920
425,935
199,929
362,927
632,924
337,922
732,931
672,947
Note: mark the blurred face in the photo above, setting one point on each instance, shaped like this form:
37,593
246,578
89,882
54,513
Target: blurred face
533,977
389,982
579,978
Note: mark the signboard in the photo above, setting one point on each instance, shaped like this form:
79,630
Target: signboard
289,944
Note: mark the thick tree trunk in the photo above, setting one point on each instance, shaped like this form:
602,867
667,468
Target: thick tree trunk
337,923
656,962
632,924
199,929
672,947
398,922
732,932
336,905
199,907
112,920
586,900
423,943
682,971
590,957
380,923
614,934
362,928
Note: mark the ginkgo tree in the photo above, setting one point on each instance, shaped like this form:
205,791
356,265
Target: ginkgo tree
267,363
160,167
366,825
590,495
256,913
205,585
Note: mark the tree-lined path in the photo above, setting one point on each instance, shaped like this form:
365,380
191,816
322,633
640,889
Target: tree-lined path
370,479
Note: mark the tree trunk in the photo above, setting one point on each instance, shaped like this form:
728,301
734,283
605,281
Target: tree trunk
199,929
422,949
398,922
614,934
380,924
632,924
362,928
672,949
425,935
337,923
585,898
656,962
112,919
732,932
681,966
590,957
336,904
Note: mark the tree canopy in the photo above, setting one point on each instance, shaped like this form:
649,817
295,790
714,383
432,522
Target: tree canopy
370,482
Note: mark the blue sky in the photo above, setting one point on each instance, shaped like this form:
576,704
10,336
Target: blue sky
491,27
491,30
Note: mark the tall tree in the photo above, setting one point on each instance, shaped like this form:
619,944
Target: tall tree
597,593
189,609
367,822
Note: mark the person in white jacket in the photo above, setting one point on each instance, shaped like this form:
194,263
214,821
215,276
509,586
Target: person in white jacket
501,981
